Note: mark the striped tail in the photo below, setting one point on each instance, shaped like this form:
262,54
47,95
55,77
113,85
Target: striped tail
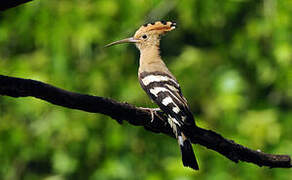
188,155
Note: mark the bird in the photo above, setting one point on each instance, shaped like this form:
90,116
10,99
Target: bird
161,85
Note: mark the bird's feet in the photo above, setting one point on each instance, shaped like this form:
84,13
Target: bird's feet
152,111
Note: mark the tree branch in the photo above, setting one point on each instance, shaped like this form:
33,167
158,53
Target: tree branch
4,5
17,87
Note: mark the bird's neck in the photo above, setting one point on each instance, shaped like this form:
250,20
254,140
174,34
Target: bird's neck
150,60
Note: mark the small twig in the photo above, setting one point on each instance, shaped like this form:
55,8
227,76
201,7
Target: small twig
7,4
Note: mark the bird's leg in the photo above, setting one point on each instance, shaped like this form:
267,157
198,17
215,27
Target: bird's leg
152,111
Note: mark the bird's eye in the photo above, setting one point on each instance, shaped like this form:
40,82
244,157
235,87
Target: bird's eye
144,36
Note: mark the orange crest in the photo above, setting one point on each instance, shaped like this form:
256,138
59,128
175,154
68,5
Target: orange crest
158,27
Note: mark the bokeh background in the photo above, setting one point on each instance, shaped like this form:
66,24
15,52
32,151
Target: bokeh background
232,58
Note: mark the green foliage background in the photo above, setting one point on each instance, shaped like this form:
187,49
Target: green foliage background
232,58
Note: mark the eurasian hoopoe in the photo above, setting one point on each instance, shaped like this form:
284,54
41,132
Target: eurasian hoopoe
161,86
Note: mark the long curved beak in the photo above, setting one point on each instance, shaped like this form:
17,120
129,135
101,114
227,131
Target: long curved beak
127,40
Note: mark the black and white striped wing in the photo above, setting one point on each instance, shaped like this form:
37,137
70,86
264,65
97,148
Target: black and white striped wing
166,93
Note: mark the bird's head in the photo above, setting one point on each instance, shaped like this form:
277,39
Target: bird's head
148,34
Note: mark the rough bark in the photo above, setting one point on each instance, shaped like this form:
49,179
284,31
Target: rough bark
18,87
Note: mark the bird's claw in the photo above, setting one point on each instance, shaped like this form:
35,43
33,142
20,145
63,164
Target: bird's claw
152,111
